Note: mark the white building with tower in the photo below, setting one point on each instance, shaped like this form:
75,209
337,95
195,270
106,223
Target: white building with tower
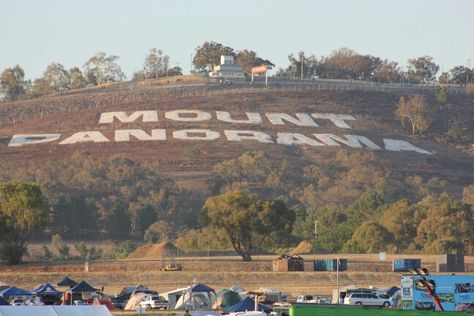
227,69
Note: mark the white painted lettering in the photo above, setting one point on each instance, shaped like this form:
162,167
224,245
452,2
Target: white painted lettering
354,141
302,119
188,115
84,137
296,139
400,145
196,134
147,116
337,119
238,136
25,139
252,118
124,134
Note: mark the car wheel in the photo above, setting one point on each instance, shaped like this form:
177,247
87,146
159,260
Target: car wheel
386,304
358,303
148,306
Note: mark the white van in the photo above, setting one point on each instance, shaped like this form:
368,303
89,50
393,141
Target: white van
366,299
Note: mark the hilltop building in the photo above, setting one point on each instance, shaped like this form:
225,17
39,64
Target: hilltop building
227,69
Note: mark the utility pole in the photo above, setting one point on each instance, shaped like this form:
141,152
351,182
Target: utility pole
302,65
315,237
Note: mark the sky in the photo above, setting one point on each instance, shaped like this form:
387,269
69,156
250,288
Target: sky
35,33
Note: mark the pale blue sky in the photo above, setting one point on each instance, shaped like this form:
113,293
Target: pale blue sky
36,33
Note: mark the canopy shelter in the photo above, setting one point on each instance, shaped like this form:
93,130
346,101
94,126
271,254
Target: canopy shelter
392,290
173,296
82,291
66,281
196,297
247,304
46,289
225,299
14,291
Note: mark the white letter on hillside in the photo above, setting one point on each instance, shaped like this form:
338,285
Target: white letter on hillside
302,119
354,141
337,119
238,136
148,116
252,118
296,139
25,139
82,137
123,135
189,115
400,145
196,134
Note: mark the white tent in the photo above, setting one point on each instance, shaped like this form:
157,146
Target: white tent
55,310
194,301
173,296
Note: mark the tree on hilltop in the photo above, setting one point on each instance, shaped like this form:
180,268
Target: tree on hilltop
209,55
12,83
247,220
101,68
422,69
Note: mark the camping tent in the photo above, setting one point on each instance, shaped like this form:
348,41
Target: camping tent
247,304
55,310
173,296
46,289
66,281
134,301
225,299
14,291
82,288
198,296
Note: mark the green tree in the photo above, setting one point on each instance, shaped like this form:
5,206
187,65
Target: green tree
468,195
56,77
156,64
447,228
77,78
388,71
416,111
247,220
12,83
422,69
366,207
159,231
209,55
247,59
101,68
369,237
399,220
461,75
22,210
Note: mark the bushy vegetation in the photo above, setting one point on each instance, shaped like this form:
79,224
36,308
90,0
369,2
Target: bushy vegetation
359,203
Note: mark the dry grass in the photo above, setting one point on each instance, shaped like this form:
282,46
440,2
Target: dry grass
222,272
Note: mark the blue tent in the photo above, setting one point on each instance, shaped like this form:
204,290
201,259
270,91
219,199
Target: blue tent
14,291
83,287
66,281
247,304
200,288
392,290
46,289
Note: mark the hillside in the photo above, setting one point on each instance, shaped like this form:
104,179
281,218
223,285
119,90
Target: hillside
373,113
156,153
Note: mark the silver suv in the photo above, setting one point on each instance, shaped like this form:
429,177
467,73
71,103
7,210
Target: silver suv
366,299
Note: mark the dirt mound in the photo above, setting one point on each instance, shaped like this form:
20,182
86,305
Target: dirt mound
156,251
303,247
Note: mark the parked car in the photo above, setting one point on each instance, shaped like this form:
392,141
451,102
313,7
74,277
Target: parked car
17,301
154,302
312,299
367,299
